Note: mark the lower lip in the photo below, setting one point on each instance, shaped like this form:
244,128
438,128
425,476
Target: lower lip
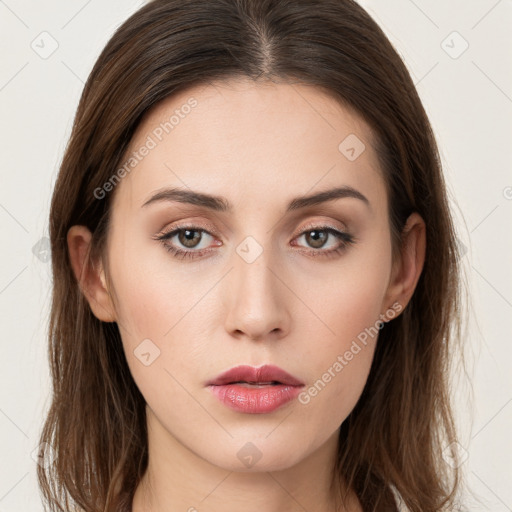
255,400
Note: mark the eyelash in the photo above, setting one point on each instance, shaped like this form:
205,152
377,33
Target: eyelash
346,240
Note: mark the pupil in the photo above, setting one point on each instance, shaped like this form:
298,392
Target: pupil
187,237
318,238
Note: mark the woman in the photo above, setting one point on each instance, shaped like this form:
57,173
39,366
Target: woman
255,271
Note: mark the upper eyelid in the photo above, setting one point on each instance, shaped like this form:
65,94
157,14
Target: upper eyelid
191,227
322,225
210,229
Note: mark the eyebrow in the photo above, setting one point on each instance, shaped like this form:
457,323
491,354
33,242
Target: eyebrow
221,204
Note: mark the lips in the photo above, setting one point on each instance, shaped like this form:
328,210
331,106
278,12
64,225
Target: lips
251,390
264,375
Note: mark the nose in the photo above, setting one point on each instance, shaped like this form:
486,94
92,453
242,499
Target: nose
256,298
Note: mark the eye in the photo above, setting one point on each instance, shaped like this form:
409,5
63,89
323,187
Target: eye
187,242
318,236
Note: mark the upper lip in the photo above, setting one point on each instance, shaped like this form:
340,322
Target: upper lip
251,374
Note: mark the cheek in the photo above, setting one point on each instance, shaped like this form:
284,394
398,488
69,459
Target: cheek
340,364
162,313
153,295
349,299
340,351
162,342
347,351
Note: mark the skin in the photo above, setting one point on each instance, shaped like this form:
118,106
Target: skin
259,146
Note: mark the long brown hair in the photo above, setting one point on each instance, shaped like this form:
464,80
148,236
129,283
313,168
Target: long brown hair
94,440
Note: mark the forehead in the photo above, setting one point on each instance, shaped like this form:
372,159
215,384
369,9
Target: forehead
249,140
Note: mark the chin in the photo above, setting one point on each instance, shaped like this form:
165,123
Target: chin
258,455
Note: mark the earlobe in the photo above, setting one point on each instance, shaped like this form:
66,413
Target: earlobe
407,270
90,275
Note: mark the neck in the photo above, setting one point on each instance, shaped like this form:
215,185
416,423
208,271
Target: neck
178,479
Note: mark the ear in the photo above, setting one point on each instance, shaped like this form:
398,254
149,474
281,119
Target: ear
90,275
407,268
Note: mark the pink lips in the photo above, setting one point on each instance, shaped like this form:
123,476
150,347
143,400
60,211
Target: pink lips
255,390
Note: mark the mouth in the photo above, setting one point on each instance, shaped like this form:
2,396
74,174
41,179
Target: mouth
266,375
253,390
256,384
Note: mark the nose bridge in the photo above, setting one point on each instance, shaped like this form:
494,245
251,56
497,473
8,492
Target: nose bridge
256,305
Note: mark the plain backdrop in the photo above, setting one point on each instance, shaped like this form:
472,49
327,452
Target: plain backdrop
459,54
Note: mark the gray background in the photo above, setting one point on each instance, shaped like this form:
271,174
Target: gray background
467,93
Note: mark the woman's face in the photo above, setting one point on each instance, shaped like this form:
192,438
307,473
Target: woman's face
260,276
